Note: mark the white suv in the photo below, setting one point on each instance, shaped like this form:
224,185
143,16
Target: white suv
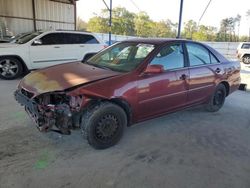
43,49
243,52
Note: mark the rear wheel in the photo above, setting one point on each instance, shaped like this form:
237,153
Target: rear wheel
217,100
10,68
246,59
103,124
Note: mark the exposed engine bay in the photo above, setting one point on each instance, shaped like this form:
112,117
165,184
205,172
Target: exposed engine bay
52,111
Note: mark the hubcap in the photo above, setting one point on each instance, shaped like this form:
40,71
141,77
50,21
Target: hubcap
8,68
246,60
106,127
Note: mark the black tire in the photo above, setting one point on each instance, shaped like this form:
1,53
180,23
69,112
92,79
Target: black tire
103,124
246,59
217,100
10,68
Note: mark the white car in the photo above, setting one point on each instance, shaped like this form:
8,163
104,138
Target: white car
42,49
243,52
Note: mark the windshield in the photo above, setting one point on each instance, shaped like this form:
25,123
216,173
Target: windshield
122,57
26,38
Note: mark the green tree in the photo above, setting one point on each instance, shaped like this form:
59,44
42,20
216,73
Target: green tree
80,24
205,33
190,28
123,21
248,15
160,29
237,20
98,24
143,24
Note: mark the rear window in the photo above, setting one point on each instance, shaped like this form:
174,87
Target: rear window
245,46
74,38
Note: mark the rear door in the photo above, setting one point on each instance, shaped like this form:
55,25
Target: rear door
81,44
162,92
204,69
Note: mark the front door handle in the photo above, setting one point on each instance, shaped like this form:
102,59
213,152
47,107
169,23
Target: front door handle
57,47
183,77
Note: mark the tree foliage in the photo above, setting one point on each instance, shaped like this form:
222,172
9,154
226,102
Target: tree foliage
125,22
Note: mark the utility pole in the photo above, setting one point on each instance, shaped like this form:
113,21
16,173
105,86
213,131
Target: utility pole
180,17
110,18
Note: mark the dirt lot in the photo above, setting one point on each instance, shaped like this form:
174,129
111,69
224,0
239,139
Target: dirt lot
191,148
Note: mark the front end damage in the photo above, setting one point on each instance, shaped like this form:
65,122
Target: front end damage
55,111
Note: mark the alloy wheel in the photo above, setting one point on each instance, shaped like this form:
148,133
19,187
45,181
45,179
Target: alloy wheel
8,68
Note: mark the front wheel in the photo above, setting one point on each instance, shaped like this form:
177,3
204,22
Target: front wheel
10,68
217,100
103,124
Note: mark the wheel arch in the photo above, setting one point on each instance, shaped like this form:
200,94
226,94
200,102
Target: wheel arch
118,101
246,54
125,106
227,86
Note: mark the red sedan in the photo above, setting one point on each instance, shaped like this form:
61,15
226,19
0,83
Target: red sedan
129,82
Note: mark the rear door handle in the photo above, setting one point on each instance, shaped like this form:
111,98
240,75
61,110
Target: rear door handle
183,77
218,70
57,47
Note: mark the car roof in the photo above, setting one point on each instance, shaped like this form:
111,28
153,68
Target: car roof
154,40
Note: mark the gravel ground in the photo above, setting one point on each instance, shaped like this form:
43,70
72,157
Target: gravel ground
190,148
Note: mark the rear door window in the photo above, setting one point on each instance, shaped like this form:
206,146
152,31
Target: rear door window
213,59
197,54
76,38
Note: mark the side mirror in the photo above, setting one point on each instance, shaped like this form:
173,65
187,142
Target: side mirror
154,69
37,42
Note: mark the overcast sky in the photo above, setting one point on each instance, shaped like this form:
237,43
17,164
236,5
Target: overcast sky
169,9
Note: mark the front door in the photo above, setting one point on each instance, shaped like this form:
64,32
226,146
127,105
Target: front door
159,93
52,51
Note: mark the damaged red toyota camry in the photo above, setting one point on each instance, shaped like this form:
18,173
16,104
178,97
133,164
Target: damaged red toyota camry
129,82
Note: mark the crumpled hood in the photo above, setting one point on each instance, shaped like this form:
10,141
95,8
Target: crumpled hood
61,77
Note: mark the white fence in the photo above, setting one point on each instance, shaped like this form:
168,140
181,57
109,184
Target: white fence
228,49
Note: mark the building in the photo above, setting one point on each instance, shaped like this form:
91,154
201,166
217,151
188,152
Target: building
19,16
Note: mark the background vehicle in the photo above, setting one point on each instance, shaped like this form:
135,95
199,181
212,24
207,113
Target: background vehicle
5,39
13,39
43,49
127,83
243,52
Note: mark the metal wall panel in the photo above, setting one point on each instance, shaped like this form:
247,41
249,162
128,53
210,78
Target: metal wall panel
15,26
50,10
42,25
16,16
16,8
